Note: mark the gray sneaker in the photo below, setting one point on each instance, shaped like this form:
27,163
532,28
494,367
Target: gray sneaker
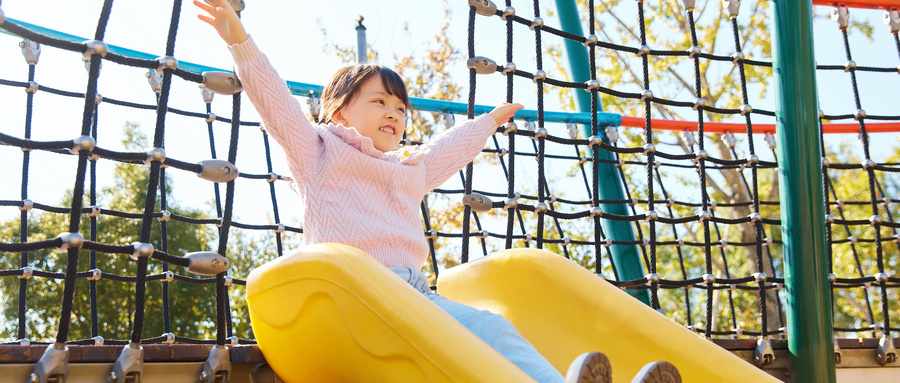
590,367
658,372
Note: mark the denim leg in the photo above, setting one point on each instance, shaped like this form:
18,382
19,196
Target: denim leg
493,329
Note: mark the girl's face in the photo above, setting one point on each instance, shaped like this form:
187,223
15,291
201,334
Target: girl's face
376,114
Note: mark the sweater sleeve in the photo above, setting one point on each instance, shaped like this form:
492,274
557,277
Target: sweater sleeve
453,149
281,113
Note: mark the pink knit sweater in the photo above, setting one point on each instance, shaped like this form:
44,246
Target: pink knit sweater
353,193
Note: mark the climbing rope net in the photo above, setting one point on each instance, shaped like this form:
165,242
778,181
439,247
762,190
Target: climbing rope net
688,243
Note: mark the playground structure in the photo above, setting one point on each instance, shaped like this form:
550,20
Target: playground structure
632,260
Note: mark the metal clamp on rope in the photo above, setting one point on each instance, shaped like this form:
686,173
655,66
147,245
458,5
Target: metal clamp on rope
156,155
218,171
205,93
572,128
70,241
31,50
688,5
841,16
507,13
892,19
732,6
217,368
224,83
53,365
129,367
155,80
166,62
478,202
886,353
770,139
95,47
27,205
206,263
27,272
315,104
448,119
838,354
96,274
86,143
763,355
484,7
141,250
482,65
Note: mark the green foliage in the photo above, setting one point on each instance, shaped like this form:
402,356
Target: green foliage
192,306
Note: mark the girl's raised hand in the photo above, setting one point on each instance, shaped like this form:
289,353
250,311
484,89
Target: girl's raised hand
505,111
222,17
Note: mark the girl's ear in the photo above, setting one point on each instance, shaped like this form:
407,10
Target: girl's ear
338,118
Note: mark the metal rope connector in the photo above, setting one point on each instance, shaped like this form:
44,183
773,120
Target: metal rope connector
838,354
448,119
572,128
484,7
141,250
206,263
770,140
507,13
217,368
892,19
886,353
129,367
732,7
85,143
156,155
31,50
841,16
155,80
224,83
478,202
70,241
688,5
218,171
95,47
315,104
166,62
763,355
53,365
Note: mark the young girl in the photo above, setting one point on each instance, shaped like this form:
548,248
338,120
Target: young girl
361,191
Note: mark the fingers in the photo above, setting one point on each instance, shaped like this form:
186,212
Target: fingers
205,7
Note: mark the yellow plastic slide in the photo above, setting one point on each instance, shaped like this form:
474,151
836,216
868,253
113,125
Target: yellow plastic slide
565,310
331,313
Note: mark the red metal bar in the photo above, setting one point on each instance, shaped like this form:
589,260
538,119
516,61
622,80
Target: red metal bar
722,127
873,4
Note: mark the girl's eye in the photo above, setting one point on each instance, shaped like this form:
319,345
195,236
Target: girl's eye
380,102
402,110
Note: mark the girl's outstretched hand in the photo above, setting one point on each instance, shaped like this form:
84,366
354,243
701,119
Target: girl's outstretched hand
222,17
505,111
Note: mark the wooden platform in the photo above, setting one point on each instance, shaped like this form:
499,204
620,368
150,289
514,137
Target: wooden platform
182,363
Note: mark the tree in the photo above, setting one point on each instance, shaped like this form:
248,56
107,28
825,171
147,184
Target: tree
192,305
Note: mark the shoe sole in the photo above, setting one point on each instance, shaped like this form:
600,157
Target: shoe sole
658,372
591,367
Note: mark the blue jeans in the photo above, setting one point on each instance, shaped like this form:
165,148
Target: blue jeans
494,329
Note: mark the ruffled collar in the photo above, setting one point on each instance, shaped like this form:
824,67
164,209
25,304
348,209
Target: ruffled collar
406,155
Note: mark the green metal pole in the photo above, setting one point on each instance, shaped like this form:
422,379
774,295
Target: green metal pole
626,257
810,327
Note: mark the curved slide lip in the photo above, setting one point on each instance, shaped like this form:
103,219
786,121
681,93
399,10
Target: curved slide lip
565,310
332,313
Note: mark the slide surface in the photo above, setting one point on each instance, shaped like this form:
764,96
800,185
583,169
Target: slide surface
565,310
331,313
